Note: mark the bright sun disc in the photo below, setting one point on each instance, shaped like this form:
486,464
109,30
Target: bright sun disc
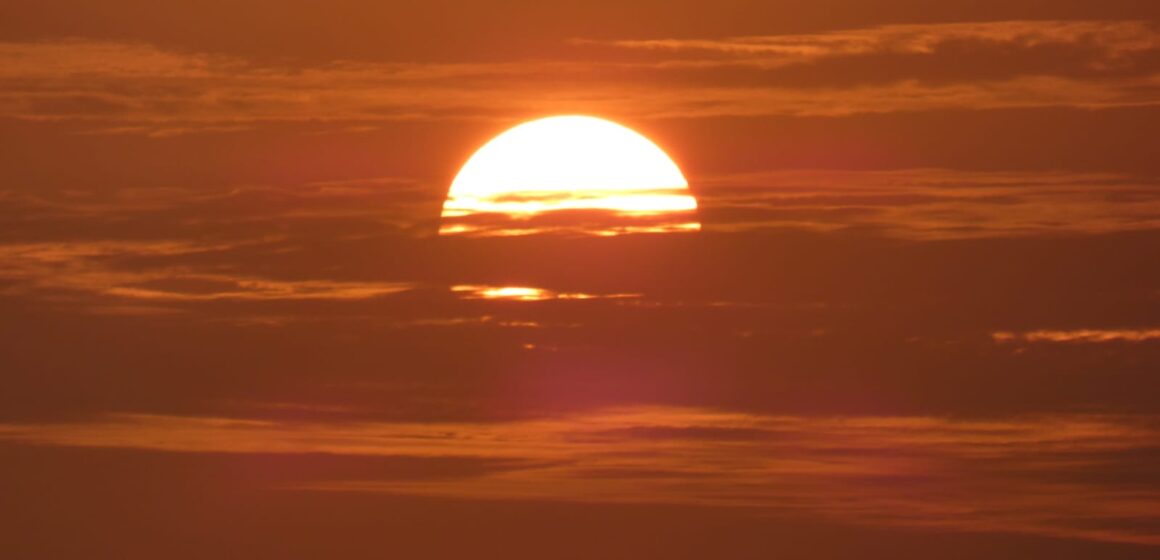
569,173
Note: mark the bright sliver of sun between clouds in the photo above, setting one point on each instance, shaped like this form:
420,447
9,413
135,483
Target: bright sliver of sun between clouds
570,173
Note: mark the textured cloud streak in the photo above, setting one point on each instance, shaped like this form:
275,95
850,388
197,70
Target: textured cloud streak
1113,39
930,203
1080,335
138,88
915,203
78,268
1054,475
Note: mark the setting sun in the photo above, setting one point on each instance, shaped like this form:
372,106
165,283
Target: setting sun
574,173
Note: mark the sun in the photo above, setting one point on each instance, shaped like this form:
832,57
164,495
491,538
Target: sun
569,173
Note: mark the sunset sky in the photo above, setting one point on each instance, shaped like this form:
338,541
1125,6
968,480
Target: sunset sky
916,313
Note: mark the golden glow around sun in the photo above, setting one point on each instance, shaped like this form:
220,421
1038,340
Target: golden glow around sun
569,173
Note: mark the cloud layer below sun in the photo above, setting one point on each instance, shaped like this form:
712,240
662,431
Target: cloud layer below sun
1033,475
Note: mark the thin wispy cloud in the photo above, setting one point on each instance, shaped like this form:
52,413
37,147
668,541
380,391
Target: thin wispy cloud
1025,475
1079,336
931,203
1113,39
910,203
135,88
81,269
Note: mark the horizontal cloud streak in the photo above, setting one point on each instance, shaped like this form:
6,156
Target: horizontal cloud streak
930,203
1028,475
1112,38
79,268
1079,335
922,203
182,246
138,88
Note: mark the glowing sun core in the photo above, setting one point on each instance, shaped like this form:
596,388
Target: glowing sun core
569,172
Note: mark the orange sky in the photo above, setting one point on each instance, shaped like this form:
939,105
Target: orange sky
922,317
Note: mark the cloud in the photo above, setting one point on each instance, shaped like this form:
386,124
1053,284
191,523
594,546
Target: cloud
1112,39
1078,336
82,269
133,88
169,250
224,287
1047,475
139,250
906,203
930,203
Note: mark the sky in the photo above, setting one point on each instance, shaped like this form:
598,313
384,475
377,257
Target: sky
921,316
